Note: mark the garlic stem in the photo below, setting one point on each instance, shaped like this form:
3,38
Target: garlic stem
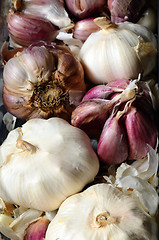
104,23
25,146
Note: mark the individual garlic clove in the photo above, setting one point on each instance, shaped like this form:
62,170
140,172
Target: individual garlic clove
106,91
90,116
149,19
101,212
26,29
84,8
37,230
84,28
128,10
112,147
141,132
53,161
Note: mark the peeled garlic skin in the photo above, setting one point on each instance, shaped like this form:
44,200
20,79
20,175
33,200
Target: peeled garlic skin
26,29
37,81
112,147
101,212
141,132
44,162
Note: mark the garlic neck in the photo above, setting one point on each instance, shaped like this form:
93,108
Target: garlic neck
104,23
25,146
104,219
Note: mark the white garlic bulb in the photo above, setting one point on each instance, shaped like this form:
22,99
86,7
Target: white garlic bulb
45,161
101,212
118,51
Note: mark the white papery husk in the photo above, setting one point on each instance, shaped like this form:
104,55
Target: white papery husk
14,225
139,179
101,212
74,44
45,161
119,52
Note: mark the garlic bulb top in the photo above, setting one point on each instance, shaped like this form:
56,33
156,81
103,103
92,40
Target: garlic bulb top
118,51
39,80
101,212
45,161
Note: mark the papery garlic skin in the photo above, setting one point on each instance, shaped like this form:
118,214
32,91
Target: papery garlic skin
110,53
101,212
39,80
44,162
51,10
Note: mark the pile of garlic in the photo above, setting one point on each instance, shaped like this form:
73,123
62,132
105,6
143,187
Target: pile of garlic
54,183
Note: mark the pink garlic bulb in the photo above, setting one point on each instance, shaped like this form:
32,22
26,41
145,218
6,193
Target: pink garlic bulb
121,116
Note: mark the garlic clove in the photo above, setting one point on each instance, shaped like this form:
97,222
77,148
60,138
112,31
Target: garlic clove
126,11
26,29
139,133
112,147
106,91
84,8
53,11
101,212
84,28
36,230
90,116
149,19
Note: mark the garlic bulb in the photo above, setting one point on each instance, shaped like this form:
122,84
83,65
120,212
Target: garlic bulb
101,212
118,51
41,80
45,161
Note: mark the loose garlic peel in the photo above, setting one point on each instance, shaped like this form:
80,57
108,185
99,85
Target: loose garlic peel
44,162
101,212
114,48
